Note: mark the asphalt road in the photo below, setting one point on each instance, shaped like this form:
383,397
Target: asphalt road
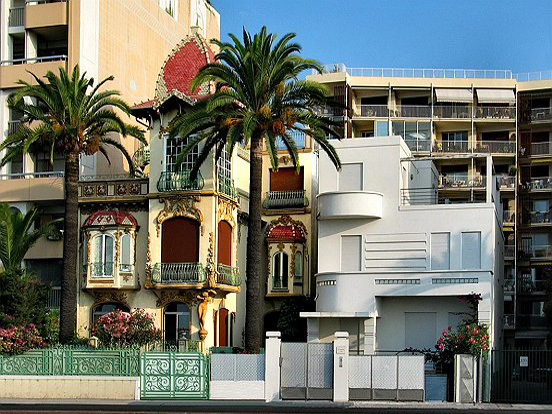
295,407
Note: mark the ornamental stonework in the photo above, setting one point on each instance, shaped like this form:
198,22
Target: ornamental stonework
226,212
178,207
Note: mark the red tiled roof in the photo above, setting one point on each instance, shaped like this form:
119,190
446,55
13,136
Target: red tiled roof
146,104
286,232
110,218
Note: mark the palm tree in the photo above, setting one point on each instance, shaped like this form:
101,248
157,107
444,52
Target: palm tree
17,235
68,115
257,98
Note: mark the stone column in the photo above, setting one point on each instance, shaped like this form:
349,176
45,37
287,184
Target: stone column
369,336
272,366
341,367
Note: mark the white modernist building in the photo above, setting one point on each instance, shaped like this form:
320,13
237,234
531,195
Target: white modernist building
395,256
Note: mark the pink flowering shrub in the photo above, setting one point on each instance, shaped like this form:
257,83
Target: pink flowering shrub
122,330
18,339
468,338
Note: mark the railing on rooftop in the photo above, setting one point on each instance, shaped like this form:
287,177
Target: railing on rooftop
45,174
429,196
495,147
33,60
15,18
533,76
496,112
172,273
541,114
452,111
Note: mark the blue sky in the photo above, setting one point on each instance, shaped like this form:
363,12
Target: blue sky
463,34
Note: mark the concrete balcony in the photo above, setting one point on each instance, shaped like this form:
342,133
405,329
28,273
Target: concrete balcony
541,115
11,71
538,184
40,14
540,149
412,111
461,180
372,111
46,249
452,111
496,112
24,187
496,147
112,188
350,205
452,147
509,252
506,182
16,17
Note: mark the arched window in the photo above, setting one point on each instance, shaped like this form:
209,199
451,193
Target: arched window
280,270
102,265
125,260
106,308
298,265
176,322
180,240
224,251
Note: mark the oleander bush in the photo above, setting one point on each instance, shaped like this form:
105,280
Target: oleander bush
17,339
120,329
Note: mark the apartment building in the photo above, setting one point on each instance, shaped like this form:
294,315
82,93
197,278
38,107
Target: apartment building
393,260
448,116
106,37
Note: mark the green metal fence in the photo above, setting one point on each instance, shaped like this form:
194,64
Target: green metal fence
62,361
174,375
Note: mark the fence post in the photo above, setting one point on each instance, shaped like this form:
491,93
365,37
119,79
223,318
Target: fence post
341,367
272,366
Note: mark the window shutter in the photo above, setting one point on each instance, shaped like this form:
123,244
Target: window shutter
471,250
440,251
351,253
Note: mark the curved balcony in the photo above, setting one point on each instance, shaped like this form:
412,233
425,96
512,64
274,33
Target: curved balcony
177,273
286,199
350,205
179,181
228,275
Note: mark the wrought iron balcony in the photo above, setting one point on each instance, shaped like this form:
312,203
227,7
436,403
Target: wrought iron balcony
507,182
286,199
452,111
101,270
54,297
15,18
541,114
509,321
179,181
531,321
226,186
460,180
538,251
373,111
509,217
174,273
228,275
537,217
538,183
413,111
451,146
509,251
541,148
509,285
496,112
13,126
496,147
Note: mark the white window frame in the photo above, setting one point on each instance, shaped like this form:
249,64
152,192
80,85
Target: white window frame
283,275
126,267
361,251
431,250
101,260
171,150
298,274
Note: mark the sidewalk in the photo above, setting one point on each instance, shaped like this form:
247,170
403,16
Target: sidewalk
163,406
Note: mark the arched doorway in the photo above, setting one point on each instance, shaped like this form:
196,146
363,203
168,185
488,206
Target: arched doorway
105,308
224,250
180,240
177,322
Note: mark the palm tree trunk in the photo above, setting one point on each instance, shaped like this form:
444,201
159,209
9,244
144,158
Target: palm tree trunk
68,301
254,311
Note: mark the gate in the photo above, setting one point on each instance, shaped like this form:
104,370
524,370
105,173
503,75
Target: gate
521,376
307,371
174,375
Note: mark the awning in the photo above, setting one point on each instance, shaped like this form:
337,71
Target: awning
496,96
454,95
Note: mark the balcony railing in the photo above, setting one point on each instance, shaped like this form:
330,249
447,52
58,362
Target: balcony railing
509,285
413,111
228,275
496,147
286,199
373,111
40,59
509,321
12,126
460,180
538,251
509,251
179,181
430,196
298,138
452,111
531,321
419,72
541,148
100,270
451,146
506,181
54,297
173,273
44,1
496,112
16,16
539,183
418,145
330,111
45,174
226,186
538,217
533,76
541,114
509,217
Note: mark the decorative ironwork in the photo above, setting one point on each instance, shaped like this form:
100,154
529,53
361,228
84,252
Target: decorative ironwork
179,181
286,199
94,187
63,361
178,207
174,375
210,268
101,270
172,273
228,275
226,186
